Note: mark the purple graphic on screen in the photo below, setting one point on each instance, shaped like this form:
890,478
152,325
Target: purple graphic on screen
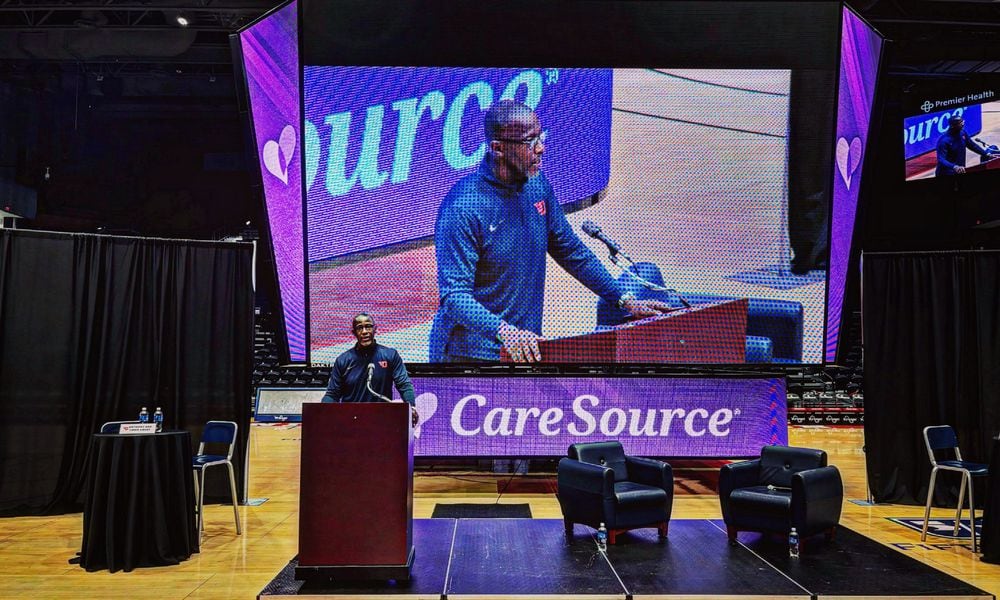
859,58
542,416
384,145
270,55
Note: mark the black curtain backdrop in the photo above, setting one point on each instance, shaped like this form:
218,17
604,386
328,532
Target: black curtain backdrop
932,357
92,328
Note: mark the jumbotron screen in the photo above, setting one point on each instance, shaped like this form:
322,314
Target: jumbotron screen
410,219
953,140
652,202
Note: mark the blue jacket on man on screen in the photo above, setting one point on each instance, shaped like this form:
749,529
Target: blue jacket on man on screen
491,239
951,152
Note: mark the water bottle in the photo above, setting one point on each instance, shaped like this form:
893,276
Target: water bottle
602,538
793,543
158,419
144,415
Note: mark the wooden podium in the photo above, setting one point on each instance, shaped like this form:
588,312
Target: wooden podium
705,333
356,492
989,165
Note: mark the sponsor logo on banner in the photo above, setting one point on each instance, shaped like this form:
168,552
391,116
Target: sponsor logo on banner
543,416
832,418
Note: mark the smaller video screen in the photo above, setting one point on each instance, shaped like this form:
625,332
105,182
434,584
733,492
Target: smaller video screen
954,141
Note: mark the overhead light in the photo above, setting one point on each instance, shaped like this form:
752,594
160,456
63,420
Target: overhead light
183,21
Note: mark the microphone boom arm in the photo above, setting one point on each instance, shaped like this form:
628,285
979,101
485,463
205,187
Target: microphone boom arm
645,282
368,384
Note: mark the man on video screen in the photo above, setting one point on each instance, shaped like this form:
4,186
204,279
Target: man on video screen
951,148
493,231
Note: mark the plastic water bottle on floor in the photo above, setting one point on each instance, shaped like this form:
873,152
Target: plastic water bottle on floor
144,415
602,538
793,543
158,419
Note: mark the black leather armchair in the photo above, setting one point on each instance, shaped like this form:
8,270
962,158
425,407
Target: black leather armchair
599,484
784,488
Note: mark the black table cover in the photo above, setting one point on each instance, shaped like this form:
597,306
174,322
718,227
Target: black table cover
140,507
989,545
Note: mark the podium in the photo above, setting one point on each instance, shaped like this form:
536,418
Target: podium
705,333
356,492
989,165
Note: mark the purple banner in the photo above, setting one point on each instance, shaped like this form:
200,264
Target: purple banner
271,63
860,48
542,416
384,145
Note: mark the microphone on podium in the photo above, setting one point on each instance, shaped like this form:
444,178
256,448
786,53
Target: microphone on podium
594,230
368,384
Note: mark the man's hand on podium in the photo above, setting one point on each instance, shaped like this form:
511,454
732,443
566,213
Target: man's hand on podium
414,415
645,308
520,344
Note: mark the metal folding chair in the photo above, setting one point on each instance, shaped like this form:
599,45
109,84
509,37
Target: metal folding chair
942,437
215,432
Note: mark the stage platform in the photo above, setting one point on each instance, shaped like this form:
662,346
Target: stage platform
532,558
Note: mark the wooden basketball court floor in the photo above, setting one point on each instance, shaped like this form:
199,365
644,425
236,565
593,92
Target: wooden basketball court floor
34,550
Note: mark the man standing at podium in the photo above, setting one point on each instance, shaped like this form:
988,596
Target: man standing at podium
951,148
493,231
366,372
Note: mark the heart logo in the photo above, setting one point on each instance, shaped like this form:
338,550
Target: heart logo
848,158
427,404
277,155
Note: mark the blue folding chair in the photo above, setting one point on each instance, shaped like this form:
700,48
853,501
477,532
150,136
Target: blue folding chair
215,432
942,437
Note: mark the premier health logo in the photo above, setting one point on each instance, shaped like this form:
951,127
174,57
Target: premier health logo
926,106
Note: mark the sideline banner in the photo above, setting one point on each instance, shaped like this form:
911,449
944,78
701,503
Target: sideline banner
542,416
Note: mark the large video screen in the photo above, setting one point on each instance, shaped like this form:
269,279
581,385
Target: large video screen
951,141
860,53
698,174
270,54
411,214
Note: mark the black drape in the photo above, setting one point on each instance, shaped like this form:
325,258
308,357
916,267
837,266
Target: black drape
140,509
932,357
92,328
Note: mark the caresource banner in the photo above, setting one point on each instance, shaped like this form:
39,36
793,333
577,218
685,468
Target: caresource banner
542,416
383,145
